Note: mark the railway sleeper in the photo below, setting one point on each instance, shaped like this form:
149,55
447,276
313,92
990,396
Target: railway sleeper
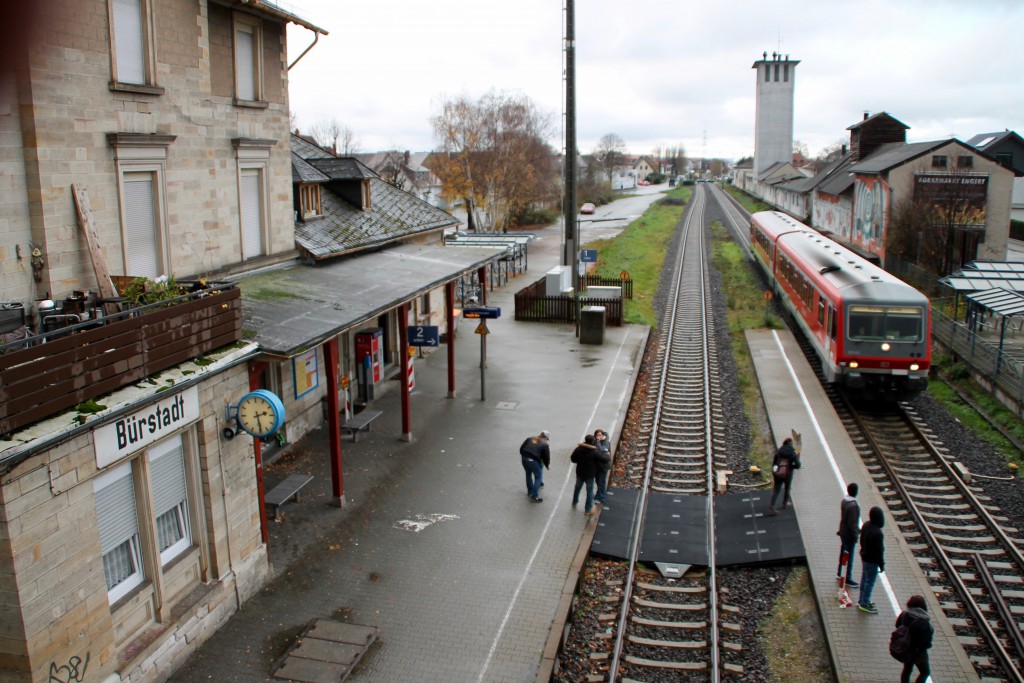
668,605
674,644
935,506
655,664
656,623
672,589
982,540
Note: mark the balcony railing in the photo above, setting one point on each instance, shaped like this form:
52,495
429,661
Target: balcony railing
43,375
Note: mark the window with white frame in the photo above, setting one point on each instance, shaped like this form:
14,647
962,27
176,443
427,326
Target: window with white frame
129,538
141,159
251,208
170,498
143,236
114,496
131,41
309,200
248,64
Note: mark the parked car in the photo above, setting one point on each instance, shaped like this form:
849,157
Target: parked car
588,208
645,182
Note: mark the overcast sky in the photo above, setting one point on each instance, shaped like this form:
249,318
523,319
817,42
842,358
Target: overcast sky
663,72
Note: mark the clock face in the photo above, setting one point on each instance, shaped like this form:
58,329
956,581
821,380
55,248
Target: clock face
260,413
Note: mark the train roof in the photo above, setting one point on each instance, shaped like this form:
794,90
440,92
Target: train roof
831,264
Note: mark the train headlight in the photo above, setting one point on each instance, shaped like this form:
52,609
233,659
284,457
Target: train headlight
914,367
854,365
885,346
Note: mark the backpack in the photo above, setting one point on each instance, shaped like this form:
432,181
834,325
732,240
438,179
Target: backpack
899,642
781,468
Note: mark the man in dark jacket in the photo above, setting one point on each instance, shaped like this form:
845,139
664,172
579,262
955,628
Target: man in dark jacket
785,461
536,456
849,529
588,459
921,631
872,556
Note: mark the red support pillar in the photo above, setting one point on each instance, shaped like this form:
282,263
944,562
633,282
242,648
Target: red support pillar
334,422
449,304
482,277
403,345
254,383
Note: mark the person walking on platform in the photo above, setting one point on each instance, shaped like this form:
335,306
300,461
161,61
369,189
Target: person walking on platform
921,631
601,481
849,529
587,459
872,557
786,460
536,457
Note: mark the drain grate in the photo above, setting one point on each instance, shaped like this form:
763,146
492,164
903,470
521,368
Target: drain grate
506,405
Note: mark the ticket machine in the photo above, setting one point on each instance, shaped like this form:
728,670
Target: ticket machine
370,357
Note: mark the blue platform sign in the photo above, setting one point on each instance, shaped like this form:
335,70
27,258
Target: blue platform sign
424,335
588,256
485,312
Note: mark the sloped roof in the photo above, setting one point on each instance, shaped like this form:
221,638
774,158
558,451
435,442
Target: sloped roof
306,149
271,9
343,168
983,141
835,178
875,117
304,172
894,154
394,214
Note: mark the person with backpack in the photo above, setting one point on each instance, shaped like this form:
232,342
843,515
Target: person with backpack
536,456
912,639
604,467
849,529
872,558
588,459
786,460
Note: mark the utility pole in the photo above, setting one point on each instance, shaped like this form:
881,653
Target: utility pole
569,208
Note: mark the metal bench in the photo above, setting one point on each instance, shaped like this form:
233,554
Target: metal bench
285,491
360,423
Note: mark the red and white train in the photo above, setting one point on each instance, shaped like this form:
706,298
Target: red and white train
871,330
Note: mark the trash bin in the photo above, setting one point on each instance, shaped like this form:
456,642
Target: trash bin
592,325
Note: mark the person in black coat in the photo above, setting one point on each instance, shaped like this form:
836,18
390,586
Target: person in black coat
872,557
849,530
786,460
921,632
588,459
603,445
536,455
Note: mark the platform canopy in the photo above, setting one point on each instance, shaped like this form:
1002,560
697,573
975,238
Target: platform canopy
1000,301
980,276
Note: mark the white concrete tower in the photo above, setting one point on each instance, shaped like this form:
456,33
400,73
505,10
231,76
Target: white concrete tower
773,120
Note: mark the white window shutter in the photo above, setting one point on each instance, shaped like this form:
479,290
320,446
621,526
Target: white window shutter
252,214
141,227
129,43
244,56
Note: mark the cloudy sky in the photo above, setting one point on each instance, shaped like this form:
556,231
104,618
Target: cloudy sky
662,72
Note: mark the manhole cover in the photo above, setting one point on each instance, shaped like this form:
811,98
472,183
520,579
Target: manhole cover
326,652
506,405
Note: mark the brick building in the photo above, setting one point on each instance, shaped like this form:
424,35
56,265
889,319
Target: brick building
130,526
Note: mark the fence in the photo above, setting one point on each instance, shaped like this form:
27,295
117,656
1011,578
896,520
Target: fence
532,305
589,280
992,368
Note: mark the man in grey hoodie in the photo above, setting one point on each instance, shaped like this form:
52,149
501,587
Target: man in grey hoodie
921,631
849,529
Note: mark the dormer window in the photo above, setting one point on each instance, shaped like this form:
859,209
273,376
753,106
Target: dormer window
309,201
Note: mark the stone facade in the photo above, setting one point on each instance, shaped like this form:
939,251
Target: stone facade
74,112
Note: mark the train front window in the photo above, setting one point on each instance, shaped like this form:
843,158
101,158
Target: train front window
886,323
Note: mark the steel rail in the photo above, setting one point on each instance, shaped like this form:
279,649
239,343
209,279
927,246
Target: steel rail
693,213
952,575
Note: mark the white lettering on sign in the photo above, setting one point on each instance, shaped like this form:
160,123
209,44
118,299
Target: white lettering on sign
139,429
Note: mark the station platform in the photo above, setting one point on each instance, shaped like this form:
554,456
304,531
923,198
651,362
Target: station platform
859,642
439,546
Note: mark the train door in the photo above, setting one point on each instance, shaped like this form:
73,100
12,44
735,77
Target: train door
830,333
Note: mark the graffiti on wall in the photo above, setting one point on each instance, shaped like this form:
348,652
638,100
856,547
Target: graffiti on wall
72,672
869,212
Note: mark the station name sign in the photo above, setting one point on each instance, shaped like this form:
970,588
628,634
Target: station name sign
137,430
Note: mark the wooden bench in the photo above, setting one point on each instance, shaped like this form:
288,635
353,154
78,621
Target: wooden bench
360,423
285,491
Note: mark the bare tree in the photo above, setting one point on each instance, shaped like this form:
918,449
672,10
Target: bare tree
493,154
609,153
676,157
391,168
335,136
